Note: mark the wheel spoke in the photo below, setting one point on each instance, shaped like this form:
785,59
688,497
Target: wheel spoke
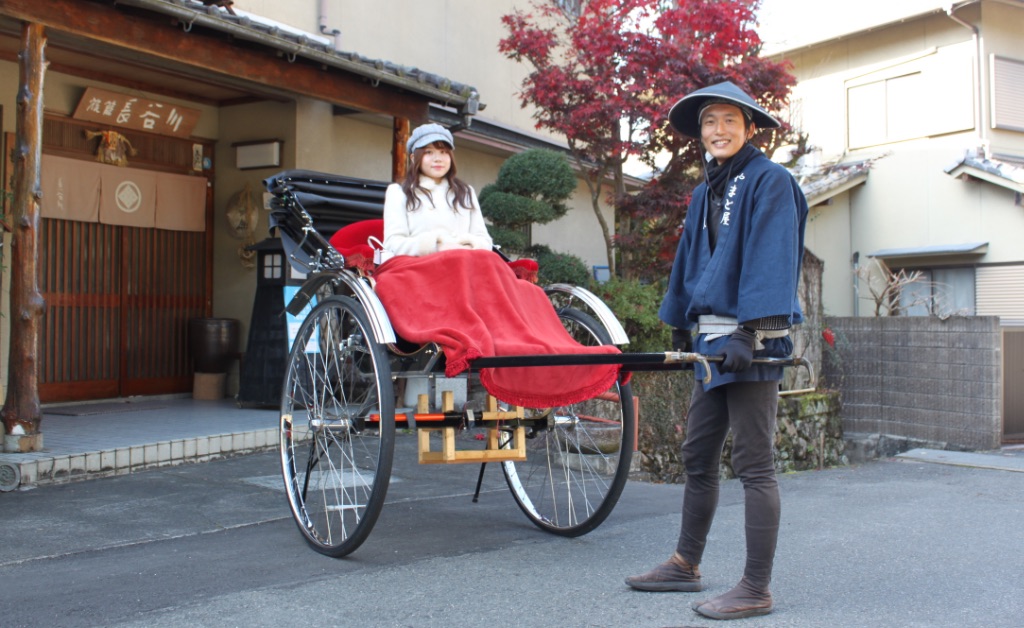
344,468
578,460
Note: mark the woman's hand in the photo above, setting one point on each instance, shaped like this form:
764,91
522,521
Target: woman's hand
452,241
451,246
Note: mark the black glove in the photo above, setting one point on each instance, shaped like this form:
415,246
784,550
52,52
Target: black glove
738,352
682,340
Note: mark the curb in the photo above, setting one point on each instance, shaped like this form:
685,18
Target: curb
26,471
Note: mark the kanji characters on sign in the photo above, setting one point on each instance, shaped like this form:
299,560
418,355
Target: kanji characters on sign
133,112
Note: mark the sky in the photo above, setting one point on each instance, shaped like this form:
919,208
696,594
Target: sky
790,23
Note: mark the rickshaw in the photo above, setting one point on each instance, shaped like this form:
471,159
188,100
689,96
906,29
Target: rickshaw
349,379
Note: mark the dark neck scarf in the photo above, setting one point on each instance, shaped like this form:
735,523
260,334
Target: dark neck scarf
717,177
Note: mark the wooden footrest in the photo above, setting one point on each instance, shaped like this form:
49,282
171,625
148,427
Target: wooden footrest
450,455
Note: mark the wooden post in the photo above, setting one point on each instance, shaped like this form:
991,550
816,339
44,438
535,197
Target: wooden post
21,413
5,228
399,158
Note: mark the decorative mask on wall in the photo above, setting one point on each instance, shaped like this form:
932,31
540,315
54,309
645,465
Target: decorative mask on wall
242,214
114,148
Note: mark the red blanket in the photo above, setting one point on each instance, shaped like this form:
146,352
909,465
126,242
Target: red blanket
472,305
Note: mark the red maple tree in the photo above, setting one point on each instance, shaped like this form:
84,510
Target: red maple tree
605,80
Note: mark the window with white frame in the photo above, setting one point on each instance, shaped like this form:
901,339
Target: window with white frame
272,266
923,95
939,292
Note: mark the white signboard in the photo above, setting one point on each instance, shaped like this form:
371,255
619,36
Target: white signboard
294,322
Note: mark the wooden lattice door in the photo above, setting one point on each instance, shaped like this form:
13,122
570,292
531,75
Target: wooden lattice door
163,286
80,278
118,301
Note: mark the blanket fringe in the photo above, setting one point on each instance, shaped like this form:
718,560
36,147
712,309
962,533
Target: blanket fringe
455,366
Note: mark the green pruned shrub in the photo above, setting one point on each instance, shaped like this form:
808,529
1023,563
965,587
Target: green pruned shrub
636,306
510,240
532,188
541,174
506,208
559,267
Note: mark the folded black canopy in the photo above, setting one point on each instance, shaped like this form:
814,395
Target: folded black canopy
331,200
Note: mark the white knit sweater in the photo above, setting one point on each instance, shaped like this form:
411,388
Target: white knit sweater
434,225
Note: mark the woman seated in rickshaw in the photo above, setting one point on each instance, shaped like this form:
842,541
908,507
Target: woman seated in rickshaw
445,285
432,210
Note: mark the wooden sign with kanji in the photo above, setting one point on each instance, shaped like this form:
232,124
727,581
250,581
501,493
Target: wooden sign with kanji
134,112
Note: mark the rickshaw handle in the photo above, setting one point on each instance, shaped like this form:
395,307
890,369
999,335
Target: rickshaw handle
682,356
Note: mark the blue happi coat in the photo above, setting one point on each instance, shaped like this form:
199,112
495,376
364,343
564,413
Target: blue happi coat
755,267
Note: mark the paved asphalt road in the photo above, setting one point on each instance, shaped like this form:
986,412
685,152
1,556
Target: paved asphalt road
889,543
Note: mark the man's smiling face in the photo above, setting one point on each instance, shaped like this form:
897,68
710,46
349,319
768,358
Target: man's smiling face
723,130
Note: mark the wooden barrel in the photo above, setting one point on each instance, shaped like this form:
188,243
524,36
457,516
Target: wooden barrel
213,343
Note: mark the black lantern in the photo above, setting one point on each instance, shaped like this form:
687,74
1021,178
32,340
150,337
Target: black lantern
332,201
266,354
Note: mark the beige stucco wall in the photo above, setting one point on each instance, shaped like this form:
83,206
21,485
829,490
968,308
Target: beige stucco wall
234,286
909,200
298,13
578,232
361,149
457,39
827,226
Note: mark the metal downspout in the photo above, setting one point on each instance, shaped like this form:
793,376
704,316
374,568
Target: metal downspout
855,262
333,33
979,89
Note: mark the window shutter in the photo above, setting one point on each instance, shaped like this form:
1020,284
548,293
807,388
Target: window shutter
1000,292
1007,94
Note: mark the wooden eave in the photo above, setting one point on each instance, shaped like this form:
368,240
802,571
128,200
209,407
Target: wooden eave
159,41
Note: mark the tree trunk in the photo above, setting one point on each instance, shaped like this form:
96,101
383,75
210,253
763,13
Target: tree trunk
5,228
594,185
609,242
21,413
626,228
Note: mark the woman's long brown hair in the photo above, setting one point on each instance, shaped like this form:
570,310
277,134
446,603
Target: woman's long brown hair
411,184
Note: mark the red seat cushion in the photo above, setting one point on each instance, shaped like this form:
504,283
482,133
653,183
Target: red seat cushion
525,269
352,242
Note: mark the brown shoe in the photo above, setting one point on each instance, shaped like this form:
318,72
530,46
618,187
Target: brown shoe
675,574
741,601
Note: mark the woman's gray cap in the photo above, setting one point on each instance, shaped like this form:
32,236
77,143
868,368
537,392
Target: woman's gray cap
427,134
685,114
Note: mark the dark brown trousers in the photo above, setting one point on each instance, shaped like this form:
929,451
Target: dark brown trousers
749,409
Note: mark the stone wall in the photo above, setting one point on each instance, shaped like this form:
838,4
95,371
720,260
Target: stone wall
809,434
909,381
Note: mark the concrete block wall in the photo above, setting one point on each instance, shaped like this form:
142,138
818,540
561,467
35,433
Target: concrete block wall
922,380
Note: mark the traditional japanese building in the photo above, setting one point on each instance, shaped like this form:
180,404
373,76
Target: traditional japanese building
162,117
